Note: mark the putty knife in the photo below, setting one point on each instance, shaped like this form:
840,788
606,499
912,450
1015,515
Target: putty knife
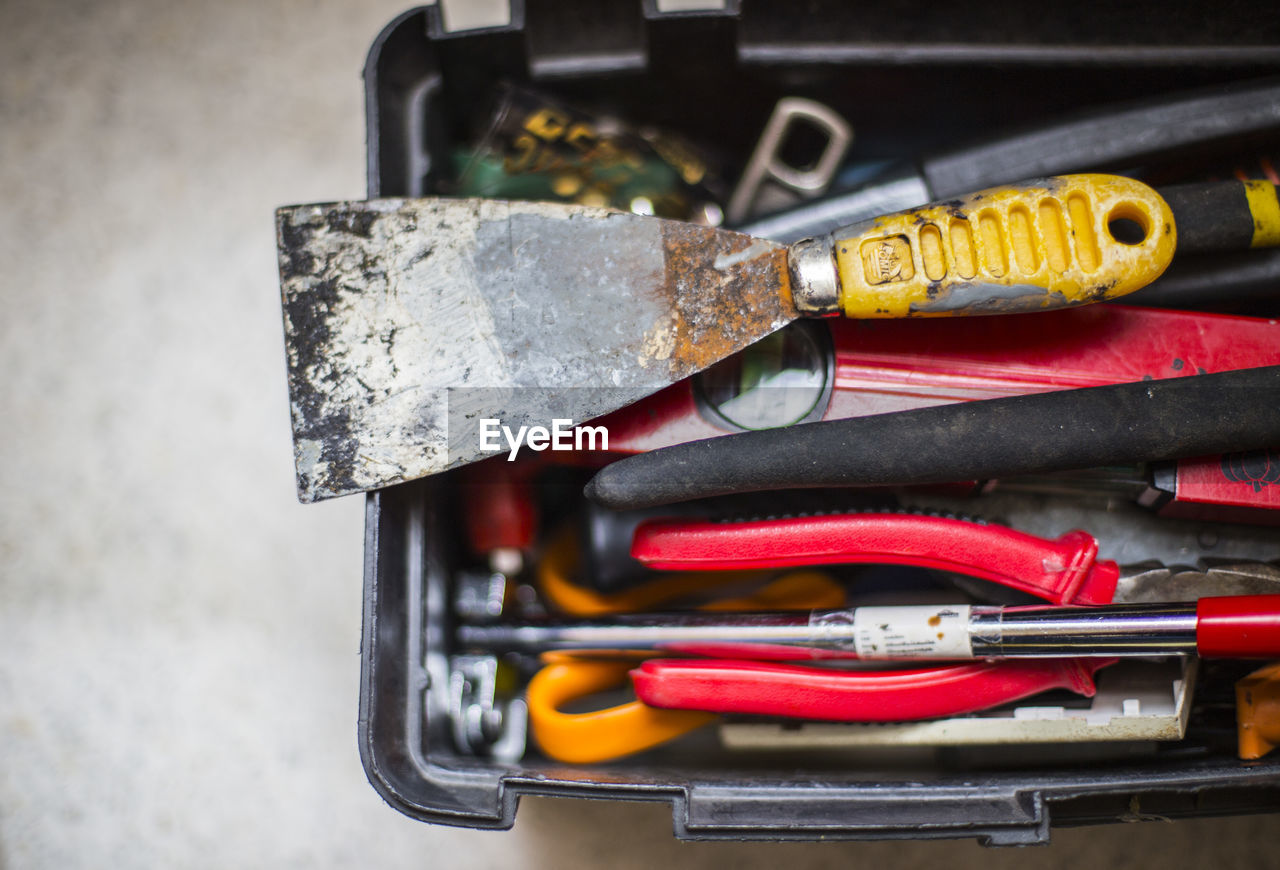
415,327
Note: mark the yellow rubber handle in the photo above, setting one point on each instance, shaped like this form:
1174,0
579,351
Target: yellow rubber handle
1051,243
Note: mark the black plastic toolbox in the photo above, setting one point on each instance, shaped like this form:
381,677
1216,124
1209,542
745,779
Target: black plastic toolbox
910,84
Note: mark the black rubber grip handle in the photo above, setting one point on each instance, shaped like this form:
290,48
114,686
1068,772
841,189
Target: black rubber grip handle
1213,216
1236,283
1114,137
1122,423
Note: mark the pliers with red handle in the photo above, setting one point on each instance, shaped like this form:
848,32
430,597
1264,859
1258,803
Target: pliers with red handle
1065,570
1061,571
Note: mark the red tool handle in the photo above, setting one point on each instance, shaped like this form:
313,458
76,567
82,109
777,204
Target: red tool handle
1238,626
725,686
1065,571
500,508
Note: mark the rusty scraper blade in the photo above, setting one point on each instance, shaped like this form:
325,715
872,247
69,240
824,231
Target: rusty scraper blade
409,322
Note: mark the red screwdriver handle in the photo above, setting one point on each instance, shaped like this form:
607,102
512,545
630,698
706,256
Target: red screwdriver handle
1239,626
1063,571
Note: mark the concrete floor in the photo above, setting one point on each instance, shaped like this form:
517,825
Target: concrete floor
178,637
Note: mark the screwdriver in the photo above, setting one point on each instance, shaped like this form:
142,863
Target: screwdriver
1242,626
1143,133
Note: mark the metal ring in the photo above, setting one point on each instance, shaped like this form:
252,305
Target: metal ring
815,285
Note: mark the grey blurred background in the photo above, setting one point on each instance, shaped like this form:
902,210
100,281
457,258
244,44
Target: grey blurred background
178,637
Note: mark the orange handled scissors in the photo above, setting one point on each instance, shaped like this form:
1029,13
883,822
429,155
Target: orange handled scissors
631,727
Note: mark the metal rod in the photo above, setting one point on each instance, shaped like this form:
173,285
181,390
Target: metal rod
644,632
1116,630
923,632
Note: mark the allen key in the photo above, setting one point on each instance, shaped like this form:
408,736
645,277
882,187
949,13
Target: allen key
766,164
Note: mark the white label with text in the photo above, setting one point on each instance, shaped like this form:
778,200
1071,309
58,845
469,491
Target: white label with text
930,632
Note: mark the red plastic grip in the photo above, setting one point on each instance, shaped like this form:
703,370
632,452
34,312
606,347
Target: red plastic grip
500,508
724,686
1238,626
1062,571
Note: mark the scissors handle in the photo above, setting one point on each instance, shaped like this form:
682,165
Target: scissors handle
600,735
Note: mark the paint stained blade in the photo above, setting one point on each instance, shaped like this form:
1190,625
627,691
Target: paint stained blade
409,322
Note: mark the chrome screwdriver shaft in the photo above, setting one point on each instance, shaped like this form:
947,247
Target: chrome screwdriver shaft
912,632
